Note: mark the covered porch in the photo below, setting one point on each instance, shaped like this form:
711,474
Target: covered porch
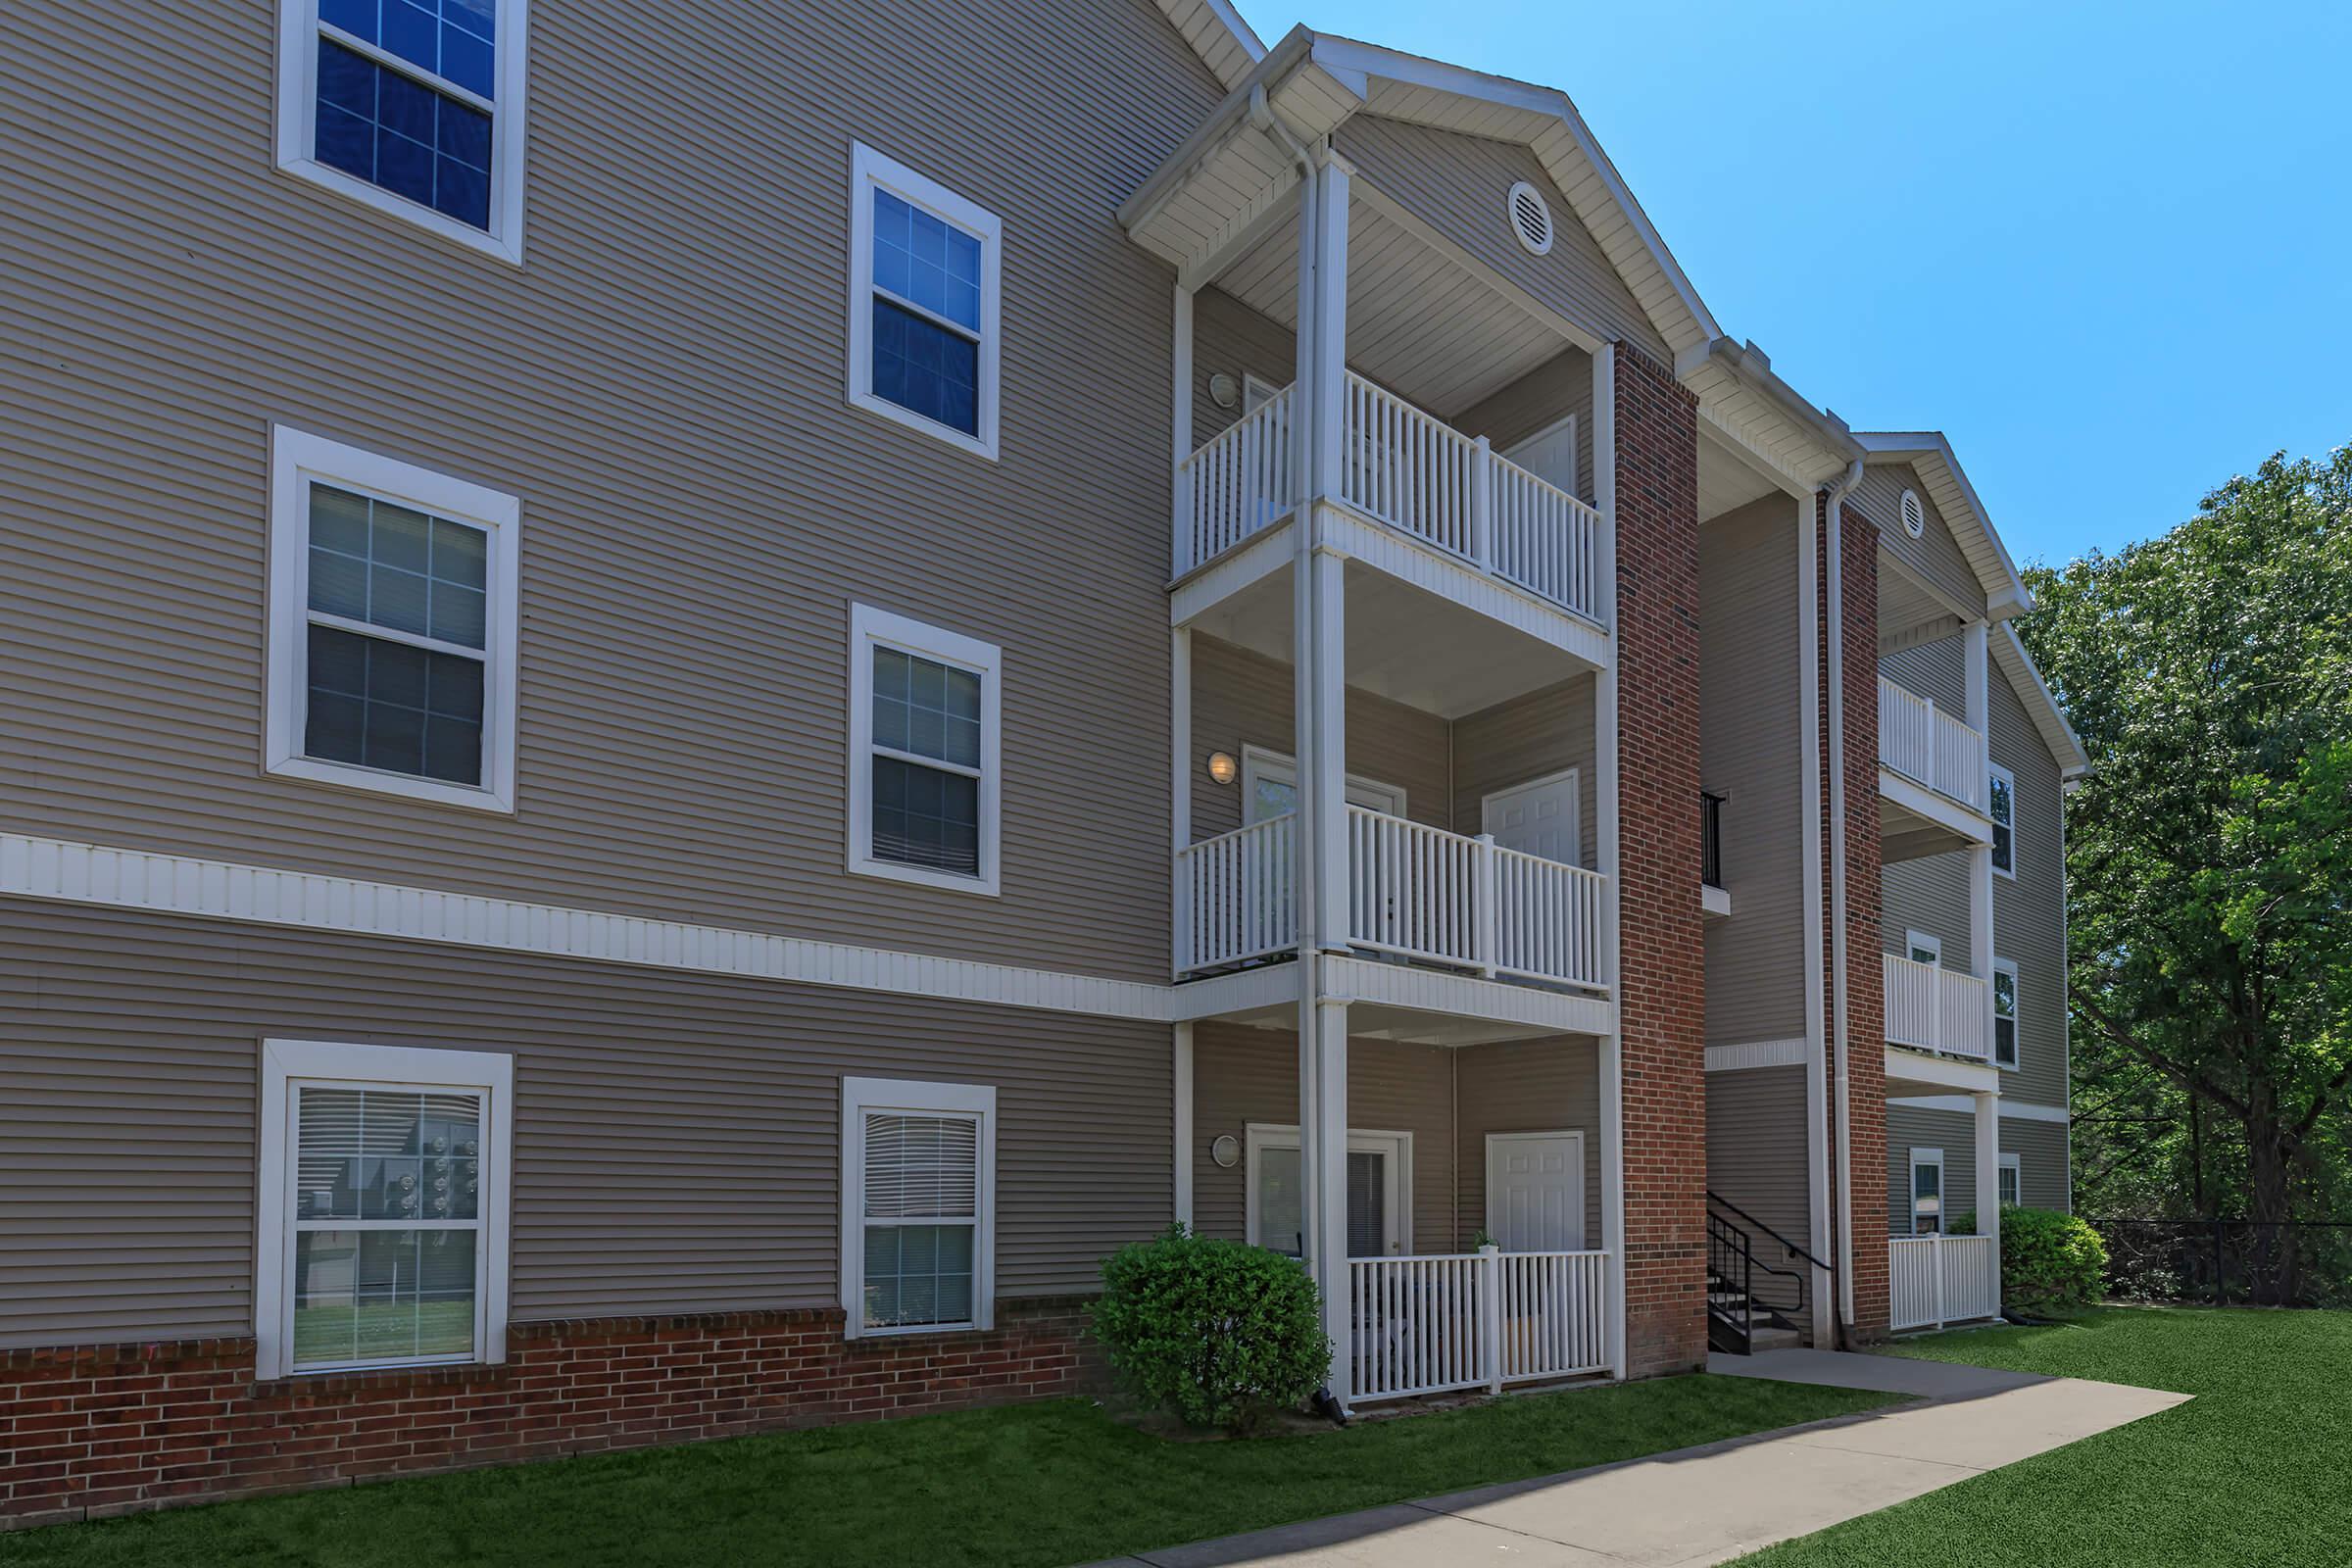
1469,1188
1935,1278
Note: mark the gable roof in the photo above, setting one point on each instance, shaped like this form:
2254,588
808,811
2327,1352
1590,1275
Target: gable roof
2041,704
1930,453
1316,81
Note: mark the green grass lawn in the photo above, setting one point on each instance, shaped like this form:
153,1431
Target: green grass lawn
1040,1484
2256,1469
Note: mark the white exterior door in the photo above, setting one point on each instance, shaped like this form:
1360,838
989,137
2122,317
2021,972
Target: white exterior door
1539,816
1549,454
1536,1191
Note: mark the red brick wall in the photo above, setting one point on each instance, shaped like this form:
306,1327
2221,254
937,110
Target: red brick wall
1662,996
1865,1001
97,1430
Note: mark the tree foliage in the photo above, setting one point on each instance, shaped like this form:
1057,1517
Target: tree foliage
2209,673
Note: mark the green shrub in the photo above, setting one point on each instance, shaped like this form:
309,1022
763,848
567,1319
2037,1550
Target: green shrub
1222,1333
2048,1259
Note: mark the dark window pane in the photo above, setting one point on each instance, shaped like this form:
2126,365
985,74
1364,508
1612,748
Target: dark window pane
927,707
406,108
461,193
355,16
403,134
468,62
404,168
926,818
413,32
464,135
393,706
923,367
346,142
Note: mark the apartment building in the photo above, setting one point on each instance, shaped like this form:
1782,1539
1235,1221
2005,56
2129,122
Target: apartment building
676,739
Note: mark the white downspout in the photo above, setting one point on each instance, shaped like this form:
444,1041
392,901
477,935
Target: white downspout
1838,872
1817,1055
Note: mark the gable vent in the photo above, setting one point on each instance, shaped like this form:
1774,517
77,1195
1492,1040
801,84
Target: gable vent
1915,515
1531,219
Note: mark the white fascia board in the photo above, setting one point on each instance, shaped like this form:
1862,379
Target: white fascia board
2005,594
2041,701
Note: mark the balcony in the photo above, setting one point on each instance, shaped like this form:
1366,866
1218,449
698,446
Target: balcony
1403,469
1930,1007
1415,892
1932,778
1476,1320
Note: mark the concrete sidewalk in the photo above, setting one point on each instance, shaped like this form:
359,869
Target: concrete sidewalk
1713,1504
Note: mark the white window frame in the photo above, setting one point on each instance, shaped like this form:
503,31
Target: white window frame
860,1097
2017,1016
1995,771
289,1063
2013,1165
296,460
1943,1193
1917,942
868,169
1259,1136
1264,762
299,29
870,628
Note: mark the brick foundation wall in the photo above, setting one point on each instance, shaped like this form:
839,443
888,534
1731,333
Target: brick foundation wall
92,1431
1662,995
1865,977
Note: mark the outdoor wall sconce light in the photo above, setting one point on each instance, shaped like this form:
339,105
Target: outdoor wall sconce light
1224,391
1222,768
1226,1151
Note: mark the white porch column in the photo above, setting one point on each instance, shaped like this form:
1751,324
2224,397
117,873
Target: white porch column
1611,1060
1183,1128
1974,662
1329,381
1181,420
1328,749
1988,1167
1180,788
1329,1151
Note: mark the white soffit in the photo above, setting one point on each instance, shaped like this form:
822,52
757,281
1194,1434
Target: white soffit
1930,455
1226,43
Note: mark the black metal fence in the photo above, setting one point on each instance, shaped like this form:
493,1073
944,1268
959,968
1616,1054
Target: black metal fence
2229,1262
1710,840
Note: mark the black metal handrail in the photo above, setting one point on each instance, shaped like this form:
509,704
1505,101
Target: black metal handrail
1745,1218
1710,839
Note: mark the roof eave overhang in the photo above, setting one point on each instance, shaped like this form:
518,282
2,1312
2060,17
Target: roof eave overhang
1750,403
2041,704
2005,594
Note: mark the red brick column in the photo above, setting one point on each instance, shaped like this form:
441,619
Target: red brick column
88,1431
1662,991
1865,978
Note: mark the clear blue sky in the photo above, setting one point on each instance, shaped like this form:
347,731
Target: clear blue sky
2106,248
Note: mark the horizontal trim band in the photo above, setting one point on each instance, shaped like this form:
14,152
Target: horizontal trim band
2011,1109
175,884
1756,1053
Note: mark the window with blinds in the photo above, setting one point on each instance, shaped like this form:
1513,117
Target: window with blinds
387,1225
921,1183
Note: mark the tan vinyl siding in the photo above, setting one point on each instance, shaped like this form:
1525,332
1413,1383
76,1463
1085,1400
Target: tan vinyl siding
1229,338
1240,699
2041,1147
676,1137
2029,912
1554,390
1936,670
1457,184
1756,1148
1242,1076
663,385
1753,753
1936,557
1528,1086
1524,739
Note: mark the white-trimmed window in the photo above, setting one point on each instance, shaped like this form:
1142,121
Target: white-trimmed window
2011,1179
410,106
923,303
918,1197
2003,812
925,741
1379,1183
383,1239
392,626
1923,948
1926,1192
2004,1013
1270,787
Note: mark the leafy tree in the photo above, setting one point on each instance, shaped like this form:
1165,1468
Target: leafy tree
2209,673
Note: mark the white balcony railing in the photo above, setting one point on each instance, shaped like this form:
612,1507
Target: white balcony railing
1425,892
1235,485
1930,1007
1236,895
1934,1280
1433,1324
1412,471
1930,747
1415,891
